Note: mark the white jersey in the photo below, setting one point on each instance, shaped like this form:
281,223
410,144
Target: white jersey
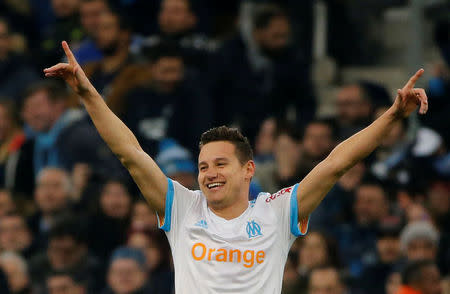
246,254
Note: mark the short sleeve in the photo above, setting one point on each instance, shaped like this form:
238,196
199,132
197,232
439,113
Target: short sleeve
285,206
179,200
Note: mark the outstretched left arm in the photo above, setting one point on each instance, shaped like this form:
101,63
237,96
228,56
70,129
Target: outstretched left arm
313,188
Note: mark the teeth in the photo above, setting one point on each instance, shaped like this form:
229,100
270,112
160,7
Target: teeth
215,185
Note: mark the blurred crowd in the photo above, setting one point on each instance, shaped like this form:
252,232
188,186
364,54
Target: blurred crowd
73,222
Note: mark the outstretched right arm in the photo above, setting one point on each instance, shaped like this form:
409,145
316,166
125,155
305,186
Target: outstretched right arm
145,172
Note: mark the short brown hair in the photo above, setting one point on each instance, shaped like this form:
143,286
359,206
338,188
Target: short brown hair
223,133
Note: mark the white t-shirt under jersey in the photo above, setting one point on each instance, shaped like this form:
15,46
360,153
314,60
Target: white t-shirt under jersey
246,254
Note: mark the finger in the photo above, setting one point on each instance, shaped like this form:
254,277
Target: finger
422,96
412,81
57,67
69,53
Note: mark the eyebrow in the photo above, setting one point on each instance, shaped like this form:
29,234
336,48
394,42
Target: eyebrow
215,160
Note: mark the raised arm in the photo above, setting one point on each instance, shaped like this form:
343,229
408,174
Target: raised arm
147,175
313,188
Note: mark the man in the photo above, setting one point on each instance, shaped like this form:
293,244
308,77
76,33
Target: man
67,251
52,197
216,233
15,235
127,273
16,269
326,280
419,241
264,74
421,277
14,70
7,204
63,282
176,23
54,131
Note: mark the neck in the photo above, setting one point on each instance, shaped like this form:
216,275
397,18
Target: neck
231,211
112,63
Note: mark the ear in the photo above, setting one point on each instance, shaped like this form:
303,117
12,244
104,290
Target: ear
250,169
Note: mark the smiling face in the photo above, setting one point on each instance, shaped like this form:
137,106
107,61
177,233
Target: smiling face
223,179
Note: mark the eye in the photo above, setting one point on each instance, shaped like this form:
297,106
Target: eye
221,164
202,168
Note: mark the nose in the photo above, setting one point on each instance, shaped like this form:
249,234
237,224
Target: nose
211,173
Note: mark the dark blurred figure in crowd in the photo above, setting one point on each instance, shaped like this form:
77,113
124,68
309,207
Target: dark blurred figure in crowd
265,141
117,71
52,198
439,85
14,69
127,273
7,204
357,240
55,130
337,205
66,27
172,104
109,224
14,174
16,269
67,251
315,250
15,235
421,277
143,217
284,170
176,23
319,138
419,241
90,14
264,75
326,280
374,277
64,282
157,252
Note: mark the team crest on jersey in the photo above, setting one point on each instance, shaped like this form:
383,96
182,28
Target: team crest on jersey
253,229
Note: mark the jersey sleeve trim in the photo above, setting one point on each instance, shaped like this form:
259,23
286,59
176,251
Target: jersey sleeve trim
297,228
168,208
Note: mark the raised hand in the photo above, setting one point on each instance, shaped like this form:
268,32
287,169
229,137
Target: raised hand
408,98
71,72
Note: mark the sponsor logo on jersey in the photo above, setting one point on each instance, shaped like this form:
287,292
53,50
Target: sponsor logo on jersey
278,194
202,224
248,258
253,229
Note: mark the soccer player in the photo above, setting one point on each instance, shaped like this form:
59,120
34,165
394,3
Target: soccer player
221,242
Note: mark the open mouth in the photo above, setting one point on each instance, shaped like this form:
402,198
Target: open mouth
215,185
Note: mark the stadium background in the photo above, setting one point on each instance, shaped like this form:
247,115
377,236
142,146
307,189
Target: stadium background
296,77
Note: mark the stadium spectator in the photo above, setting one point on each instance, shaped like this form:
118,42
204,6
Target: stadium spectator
127,273
375,277
284,170
90,14
64,282
421,277
54,131
357,240
176,23
326,280
265,141
109,224
143,217
66,27
7,204
52,196
16,270
263,75
67,251
354,110
419,241
173,103
15,236
14,69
